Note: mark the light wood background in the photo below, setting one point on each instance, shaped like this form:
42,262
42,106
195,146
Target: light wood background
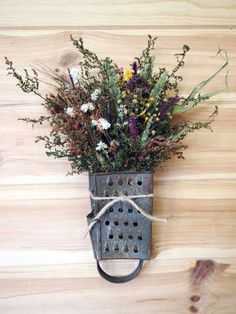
45,265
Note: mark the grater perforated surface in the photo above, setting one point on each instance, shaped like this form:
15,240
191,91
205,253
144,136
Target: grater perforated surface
122,232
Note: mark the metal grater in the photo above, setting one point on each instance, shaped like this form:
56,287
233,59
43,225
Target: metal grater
122,232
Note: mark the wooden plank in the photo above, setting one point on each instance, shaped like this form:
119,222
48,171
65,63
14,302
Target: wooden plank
172,292
194,228
45,264
100,14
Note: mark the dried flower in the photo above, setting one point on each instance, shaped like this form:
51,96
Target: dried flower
133,128
113,147
166,107
103,124
101,146
70,111
95,94
94,122
127,74
135,67
130,109
87,107
75,74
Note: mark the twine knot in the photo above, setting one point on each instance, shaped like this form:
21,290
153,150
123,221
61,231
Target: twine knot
115,199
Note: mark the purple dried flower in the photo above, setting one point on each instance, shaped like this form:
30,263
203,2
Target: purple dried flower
135,67
166,107
133,128
136,80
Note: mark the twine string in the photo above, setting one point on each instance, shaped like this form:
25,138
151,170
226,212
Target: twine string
122,198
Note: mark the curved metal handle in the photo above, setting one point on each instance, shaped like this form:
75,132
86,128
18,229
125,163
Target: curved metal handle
120,279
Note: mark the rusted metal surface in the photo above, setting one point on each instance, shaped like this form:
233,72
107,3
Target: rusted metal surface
122,232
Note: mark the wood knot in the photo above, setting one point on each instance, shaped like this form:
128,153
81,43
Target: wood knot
68,59
202,270
193,309
195,298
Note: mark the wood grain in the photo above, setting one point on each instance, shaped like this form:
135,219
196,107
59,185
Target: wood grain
46,266
103,13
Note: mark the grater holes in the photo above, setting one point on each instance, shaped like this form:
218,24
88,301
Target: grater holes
111,236
107,222
116,223
115,193
126,223
139,182
120,236
106,248
135,224
106,193
116,247
109,181
120,182
135,248
126,248
130,181
111,209
130,210
130,236
140,238
120,210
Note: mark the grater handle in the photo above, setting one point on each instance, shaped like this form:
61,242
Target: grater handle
120,279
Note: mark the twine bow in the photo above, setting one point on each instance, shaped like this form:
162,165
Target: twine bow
122,198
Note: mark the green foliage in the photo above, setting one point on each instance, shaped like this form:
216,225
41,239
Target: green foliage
146,61
180,130
195,97
113,119
159,86
27,83
112,80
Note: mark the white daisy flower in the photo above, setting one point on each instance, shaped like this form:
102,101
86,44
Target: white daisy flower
70,111
95,94
86,107
75,73
94,122
101,145
104,124
101,123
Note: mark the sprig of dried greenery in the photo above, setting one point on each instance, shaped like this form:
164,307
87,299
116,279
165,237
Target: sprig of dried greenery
105,118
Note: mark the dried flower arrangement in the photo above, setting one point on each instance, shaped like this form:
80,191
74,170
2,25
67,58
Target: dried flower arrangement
105,118
118,125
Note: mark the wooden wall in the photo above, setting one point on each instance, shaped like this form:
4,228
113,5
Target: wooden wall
45,265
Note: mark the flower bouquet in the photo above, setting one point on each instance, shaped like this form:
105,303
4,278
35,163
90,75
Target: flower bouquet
118,124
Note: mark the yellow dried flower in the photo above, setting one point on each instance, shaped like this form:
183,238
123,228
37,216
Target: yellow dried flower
127,74
170,93
151,100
